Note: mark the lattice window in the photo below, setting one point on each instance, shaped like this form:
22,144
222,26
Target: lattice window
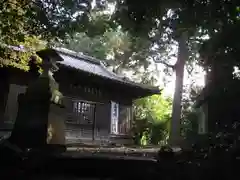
82,113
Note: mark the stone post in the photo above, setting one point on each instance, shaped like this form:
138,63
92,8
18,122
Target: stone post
32,122
30,128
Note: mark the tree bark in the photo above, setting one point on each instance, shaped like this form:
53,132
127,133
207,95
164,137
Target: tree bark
175,138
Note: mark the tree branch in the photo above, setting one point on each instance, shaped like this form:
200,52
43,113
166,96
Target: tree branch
165,63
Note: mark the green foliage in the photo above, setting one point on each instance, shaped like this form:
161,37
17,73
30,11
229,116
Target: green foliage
50,19
13,18
217,19
80,42
12,30
20,58
118,48
152,118
57,18
185,15
99,23
190,121
155,107
190,115
21,20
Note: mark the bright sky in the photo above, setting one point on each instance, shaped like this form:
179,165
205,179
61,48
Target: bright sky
167,82
196,78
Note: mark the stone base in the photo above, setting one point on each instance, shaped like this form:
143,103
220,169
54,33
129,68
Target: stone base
56,126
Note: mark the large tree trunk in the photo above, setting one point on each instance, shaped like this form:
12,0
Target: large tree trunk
175,129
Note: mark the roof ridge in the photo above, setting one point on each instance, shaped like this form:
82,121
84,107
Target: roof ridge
91,59
77,55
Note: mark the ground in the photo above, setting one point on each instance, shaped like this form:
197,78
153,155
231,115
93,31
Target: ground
150,151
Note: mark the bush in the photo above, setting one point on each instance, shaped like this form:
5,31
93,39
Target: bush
151,120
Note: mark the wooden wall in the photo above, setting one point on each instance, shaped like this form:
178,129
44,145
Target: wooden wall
90,87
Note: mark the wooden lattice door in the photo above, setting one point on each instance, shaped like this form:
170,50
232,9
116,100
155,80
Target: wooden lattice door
82,115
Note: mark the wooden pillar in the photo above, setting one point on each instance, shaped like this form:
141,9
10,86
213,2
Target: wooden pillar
94,122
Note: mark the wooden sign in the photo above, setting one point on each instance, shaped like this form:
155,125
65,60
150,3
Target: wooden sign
114,117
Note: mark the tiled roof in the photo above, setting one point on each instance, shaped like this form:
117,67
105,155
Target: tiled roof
86,63
92,65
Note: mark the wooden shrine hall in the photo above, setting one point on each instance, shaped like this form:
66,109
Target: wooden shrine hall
98,103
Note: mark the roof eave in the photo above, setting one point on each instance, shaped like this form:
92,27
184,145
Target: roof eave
148,92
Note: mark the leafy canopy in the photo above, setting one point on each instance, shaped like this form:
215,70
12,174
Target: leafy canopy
25,22
217,19
118,48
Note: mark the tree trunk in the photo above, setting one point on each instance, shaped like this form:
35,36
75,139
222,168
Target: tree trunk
175,129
